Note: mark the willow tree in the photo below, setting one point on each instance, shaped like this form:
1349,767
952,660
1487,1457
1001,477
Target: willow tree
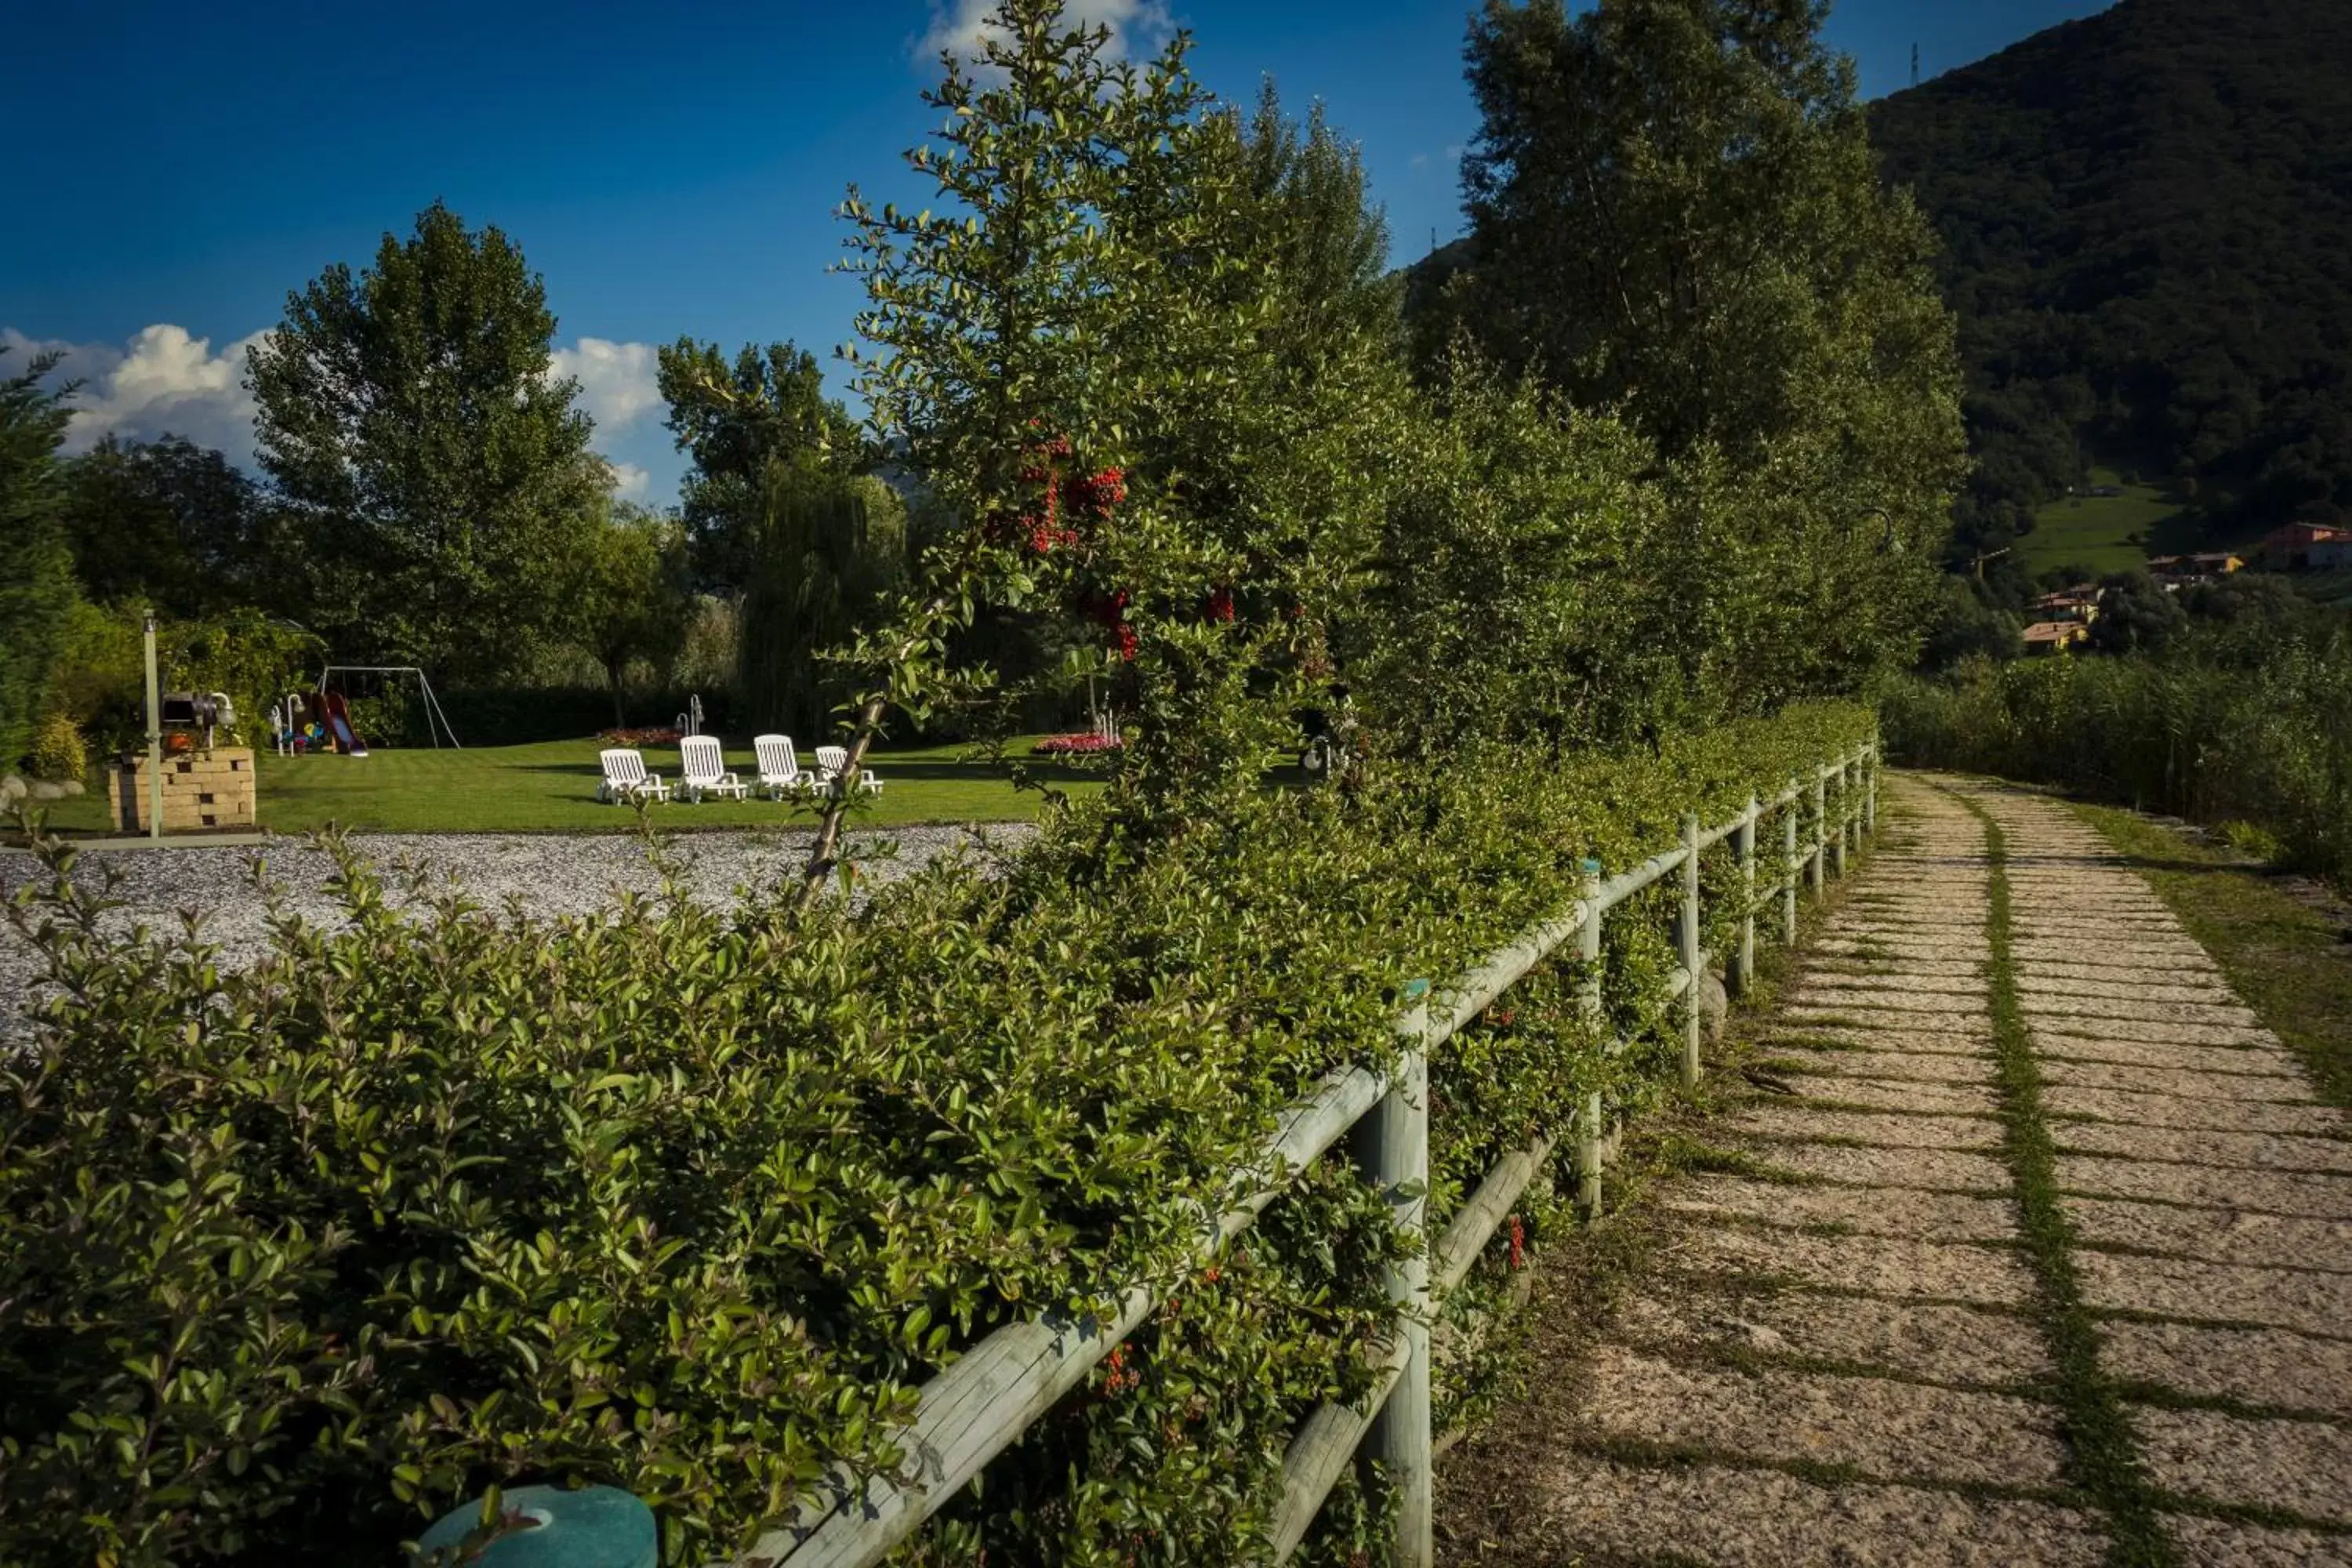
829,550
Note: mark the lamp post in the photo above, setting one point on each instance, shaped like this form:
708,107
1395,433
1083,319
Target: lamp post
155,740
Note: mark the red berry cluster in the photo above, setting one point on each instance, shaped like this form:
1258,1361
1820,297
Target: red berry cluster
1097,493
1109,611
1518,1242
1120,1377
1048,523
1221,606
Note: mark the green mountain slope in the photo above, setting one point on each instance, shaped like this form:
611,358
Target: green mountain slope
2149,223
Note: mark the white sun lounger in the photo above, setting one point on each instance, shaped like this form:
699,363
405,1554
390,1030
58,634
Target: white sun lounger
702,770
832,761
626,777
781,772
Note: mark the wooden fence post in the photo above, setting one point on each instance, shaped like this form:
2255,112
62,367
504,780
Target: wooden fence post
1815,871
1692,958
1846,811
1870,795
1739,972
1587,1135
1393,1148
1789,869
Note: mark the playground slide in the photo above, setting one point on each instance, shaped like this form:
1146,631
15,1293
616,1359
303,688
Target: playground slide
339,724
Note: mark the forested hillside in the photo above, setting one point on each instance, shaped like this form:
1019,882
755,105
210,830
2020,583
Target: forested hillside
2146,219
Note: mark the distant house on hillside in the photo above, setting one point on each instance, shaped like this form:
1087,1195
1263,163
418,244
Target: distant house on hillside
2172,571
2080,603
2308,547
2056,637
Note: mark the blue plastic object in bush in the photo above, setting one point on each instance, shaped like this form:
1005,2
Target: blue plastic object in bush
596,1527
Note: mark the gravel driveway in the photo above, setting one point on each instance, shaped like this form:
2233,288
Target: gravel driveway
553,875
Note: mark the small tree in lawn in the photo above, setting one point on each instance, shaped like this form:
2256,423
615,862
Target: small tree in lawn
1091,354
630,596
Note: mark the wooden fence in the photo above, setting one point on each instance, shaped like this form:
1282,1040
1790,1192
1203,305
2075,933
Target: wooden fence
980,1405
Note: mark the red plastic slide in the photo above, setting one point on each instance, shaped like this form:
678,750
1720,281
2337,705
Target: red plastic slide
339,724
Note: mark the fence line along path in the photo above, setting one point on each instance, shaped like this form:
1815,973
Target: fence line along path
988,1397
1853,1346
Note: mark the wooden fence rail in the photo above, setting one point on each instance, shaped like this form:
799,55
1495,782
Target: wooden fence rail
982,1402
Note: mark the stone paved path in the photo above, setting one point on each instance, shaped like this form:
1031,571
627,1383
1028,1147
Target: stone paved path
1846,1353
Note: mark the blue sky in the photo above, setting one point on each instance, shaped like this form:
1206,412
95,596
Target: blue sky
668,169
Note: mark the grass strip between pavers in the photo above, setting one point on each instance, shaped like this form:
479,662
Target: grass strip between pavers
2104,1451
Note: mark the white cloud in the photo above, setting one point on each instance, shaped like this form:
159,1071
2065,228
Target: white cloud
164,380
630,482
617,385
1418,161
1135,24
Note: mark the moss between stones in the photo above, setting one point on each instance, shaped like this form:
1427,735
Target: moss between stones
2105,1459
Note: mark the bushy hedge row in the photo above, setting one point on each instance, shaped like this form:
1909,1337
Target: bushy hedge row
2213,729
293,1258
395,715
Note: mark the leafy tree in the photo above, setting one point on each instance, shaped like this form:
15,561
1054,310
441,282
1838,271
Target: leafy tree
167,523
733,420
440,479
2136,614
629,594
1102,332
1675,214
1520,596
1967,624
1674,207
37,582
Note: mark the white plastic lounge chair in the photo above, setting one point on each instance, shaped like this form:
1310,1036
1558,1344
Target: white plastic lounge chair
781,772
702,770
832,761
626,777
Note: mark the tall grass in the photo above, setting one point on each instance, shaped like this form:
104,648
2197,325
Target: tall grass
2222,726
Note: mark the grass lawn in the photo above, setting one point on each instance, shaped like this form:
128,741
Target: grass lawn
551,786
2092,530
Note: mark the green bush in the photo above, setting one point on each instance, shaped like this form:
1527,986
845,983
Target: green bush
58,750
252,657
2230,722
295,1258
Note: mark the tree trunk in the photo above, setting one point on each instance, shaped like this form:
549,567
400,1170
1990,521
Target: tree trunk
614,671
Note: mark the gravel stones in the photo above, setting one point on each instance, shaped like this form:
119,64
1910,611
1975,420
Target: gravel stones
1765,1519
1877,1426
547,876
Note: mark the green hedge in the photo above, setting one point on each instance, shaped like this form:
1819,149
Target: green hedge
514,715
292,1259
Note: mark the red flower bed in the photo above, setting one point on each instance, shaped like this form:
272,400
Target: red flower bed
1072,745
638,737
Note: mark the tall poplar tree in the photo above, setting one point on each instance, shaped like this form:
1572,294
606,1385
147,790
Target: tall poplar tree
1675,214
